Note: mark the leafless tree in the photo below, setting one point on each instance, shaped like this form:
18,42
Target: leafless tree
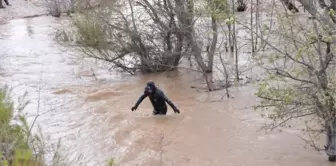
301,80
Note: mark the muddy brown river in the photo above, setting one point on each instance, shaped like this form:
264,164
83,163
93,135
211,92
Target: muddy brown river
91,112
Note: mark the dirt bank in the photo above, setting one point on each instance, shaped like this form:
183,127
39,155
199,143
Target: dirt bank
21,9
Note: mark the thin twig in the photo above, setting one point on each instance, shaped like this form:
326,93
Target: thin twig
38,104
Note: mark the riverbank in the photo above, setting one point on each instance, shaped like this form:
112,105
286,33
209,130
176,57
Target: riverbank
22,9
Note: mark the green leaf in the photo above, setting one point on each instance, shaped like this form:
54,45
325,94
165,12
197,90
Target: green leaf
5,162
22,155
299,53
331,12
271,59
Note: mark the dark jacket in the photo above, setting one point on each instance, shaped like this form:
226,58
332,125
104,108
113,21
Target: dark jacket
157,98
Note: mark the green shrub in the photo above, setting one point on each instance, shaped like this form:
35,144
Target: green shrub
18,147
15,137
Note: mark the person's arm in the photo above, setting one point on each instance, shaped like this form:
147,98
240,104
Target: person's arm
169,102
141,98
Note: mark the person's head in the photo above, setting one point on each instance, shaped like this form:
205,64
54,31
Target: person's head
150,88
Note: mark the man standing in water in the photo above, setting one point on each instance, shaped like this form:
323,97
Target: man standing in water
1,6
157,98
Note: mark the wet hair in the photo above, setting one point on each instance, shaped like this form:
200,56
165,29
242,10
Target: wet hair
151,84
150,87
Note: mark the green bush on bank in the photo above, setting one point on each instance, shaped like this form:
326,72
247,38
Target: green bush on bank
16,142
18,146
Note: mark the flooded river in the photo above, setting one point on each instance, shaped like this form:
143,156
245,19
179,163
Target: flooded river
89,109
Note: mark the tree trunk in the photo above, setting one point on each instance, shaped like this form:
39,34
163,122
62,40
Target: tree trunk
185,17
251,22
211,53
256,26
186,21
178,49
198,54
235,44
331,138
322,18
